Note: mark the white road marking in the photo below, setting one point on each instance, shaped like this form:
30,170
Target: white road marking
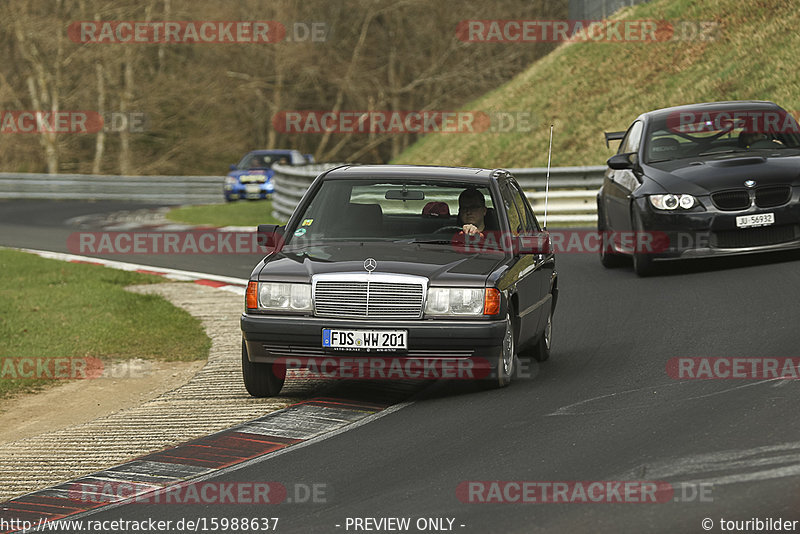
568,409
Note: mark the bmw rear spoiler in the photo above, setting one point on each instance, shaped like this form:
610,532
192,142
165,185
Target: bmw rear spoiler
613,136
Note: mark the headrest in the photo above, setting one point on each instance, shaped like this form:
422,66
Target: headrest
436,209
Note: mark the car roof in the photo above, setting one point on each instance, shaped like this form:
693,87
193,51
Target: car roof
730,105
455,174
273,151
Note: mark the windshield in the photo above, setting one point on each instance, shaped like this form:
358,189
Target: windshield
388,210
712,133
262,161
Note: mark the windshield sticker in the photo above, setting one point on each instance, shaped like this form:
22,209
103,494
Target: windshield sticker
300,232
307,222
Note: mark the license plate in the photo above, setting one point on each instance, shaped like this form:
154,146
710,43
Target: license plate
760,219
253,190
365,339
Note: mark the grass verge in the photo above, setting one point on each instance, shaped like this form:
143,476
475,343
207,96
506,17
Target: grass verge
55,309
238,213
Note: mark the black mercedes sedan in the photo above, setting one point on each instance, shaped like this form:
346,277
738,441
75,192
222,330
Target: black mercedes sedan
701,180
401,272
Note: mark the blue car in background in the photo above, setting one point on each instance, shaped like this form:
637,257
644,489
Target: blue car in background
251,178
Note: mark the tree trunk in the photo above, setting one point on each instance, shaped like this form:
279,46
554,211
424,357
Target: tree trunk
100,140
124,106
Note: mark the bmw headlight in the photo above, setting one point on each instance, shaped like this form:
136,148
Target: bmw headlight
272,296
457,301
672,202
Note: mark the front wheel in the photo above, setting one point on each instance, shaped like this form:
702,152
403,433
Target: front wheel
262,379
541,352
608,257
643,263
507,360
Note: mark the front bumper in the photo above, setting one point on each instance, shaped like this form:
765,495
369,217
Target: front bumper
274,339
264,190
711,233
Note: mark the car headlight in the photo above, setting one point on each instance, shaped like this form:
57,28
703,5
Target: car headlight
279,296
458,301
672,202
230,181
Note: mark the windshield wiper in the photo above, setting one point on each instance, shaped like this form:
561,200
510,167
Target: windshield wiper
426,241
726,151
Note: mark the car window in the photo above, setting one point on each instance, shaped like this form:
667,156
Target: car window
668,140
382,209
516,221
530,224
630,143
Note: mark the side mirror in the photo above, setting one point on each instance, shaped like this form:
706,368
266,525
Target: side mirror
232,167
534,244
623,161
270,237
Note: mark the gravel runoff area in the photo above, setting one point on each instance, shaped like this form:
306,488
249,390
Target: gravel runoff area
212,400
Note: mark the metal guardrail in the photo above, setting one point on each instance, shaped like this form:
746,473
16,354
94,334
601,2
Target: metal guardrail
161,189
291,183
571,198
572,192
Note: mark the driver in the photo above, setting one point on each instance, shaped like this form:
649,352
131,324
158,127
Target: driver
472,211
746,139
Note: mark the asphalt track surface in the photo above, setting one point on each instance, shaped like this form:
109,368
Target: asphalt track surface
602,408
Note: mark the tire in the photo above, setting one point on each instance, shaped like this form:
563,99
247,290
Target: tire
507,359
608,258
541,351
643,264
261,379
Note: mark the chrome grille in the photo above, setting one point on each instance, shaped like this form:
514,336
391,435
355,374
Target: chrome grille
379,296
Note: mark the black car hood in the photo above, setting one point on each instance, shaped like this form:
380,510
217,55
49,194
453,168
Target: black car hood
701,176
439,263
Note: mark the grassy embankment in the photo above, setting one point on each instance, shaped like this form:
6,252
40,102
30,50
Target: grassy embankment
587,88
239,213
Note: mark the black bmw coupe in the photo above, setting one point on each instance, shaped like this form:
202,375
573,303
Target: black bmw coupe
701,180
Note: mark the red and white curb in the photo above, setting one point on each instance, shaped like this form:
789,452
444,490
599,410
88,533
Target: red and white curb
151,477
225,283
